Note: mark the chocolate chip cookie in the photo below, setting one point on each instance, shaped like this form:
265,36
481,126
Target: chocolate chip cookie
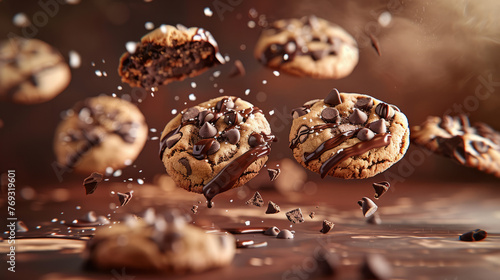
31,71
216,146
348,135
309,46
168,54
476,146
100,132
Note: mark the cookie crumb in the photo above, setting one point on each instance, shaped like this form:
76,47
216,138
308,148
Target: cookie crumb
256,200
90,183
312,214
474,235
327,226
194,209
273,173
381,188
125,197
272,208
295,216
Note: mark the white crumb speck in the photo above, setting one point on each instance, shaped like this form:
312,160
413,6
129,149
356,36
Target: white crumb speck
131,46
140,181
193,84
192,97
271,112
208,12
247,223
264,82
276,73
174,111
247,91
21,20
251,24
152,129
74,59
149,25
98,73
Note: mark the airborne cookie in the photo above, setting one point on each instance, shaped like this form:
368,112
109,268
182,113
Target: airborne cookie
348,135
169,54
31,71
216,146
309,46
476,146
100,132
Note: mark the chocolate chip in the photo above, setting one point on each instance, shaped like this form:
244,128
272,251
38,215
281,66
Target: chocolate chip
364,103
378,126
256,200
327,226
312,214
213,148
480,146
255,139
374,219
295,216
194,209
474,235
190,114
172,140
90,183
238,69
369,207
272,231
272,208
207,130
333,98
375,266
381,188
124,198
384,111
357,117
273,173
205,116
303,136
330,115
233,117
224,104
232,136
185,162
365,134
298,112
285,234
21,226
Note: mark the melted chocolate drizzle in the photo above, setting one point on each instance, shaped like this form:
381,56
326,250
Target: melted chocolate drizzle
328,144
295,140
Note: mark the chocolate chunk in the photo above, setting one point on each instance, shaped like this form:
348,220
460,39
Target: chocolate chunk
327,226
124,197
194,209
303,136
298,112
333,98
205,116
272,231
255,140
374,219
474,235
285,234
256,200
172,140
232,136
312,214
233,117
330,115
272,208
238,69
364,103
345,127
384,111
381,188
357,117
365,134
295,216
369,207
21,227
273,173
378,126
90,183
375,266
213,148
190,114
184,161
480,146
207,130
89,217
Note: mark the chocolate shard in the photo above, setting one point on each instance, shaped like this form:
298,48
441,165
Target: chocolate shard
364,103
124,198
357,117
327,226
272,208
330,115
285,234
273,173
378,126
474,235
232,136
90,183
365,134
272,231
376,266
256,200
369,207
238,69
172,140
207,130
333,98
194,209
381,188
295,216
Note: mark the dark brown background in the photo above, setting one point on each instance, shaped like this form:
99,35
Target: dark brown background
434,56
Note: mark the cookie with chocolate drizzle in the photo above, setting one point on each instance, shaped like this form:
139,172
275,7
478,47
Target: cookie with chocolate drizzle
100,132
348,135
168,54
216,146
309,46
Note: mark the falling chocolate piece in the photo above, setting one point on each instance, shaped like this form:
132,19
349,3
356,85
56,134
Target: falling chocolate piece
365,134
333,98
375,266
381,188
256,200
125,197
232,136
207,130
21,227
172,140
90,183
357,117
327,226
364,103
238,69
375,44
194,209
285,234
190,114
384,111
474,235
295,216
330,115
374,219
369,207
272,208
272,231
273,173
312,214
378,126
